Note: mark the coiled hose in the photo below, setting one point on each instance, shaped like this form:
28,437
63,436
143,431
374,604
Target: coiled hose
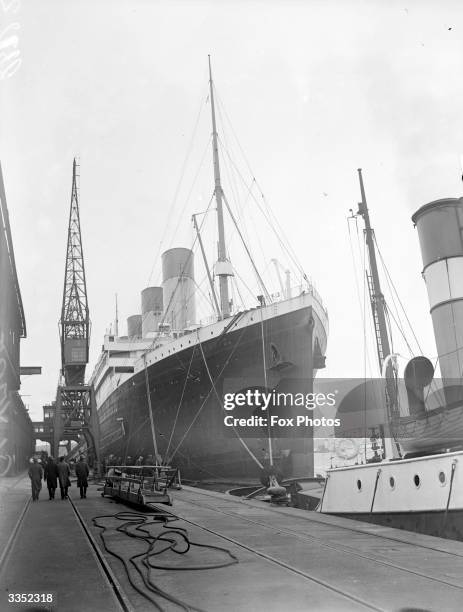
137,525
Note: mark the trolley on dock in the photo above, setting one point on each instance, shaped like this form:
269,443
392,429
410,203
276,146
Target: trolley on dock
141,484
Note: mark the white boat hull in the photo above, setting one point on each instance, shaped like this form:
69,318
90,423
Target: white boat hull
422,494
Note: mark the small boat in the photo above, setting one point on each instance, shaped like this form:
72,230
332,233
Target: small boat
419,486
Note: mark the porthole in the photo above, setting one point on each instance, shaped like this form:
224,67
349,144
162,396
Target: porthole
442,478
416,480
359,484
392,482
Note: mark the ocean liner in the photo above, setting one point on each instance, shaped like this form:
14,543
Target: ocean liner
418,485
160,389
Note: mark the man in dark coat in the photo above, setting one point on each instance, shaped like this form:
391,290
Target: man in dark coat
51,476
35,474
82,472
63,475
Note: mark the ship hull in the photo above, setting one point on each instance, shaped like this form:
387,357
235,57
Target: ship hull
424,494
435,523
187,409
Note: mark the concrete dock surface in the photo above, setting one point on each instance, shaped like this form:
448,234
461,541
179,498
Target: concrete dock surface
242,555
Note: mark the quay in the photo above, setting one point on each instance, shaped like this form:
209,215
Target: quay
241,555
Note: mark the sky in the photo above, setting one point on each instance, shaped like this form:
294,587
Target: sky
313,90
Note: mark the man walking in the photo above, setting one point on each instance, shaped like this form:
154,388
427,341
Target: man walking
51,476
82,472
63,474
35,474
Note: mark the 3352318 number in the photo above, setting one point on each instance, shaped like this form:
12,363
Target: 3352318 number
31,598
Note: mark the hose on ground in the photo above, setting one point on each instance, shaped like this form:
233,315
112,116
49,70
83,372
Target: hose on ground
138,525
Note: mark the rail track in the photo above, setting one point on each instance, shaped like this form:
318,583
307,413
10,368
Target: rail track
116,587
234,509
341,549
319,541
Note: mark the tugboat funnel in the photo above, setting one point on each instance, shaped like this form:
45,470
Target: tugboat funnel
440,231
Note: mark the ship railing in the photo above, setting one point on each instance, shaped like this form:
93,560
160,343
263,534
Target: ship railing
143,478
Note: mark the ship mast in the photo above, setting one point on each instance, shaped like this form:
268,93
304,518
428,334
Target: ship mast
378,304
223,267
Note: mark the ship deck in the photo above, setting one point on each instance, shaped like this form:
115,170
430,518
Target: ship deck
271,558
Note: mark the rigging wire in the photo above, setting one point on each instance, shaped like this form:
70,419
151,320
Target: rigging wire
209,393
221,404
279,235
398,297
400,329
365,348
240,210
236,286
144,316
166,454
200,468
245,285
177,190
286,245
166,311
258,276
357,285
237,226
181,216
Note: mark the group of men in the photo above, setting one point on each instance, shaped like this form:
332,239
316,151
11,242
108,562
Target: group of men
57,473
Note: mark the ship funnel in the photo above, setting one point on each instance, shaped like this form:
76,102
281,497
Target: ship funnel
179,288
151,310
440,231
134,326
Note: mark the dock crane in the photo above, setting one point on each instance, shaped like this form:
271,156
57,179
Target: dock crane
75,414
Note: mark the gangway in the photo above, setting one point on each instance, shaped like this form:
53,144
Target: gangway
142,484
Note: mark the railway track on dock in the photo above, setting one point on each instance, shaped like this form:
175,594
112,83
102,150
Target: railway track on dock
19,532
294,570
221,517
117,589
11,540
286,531
348,597
349,550
234,510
